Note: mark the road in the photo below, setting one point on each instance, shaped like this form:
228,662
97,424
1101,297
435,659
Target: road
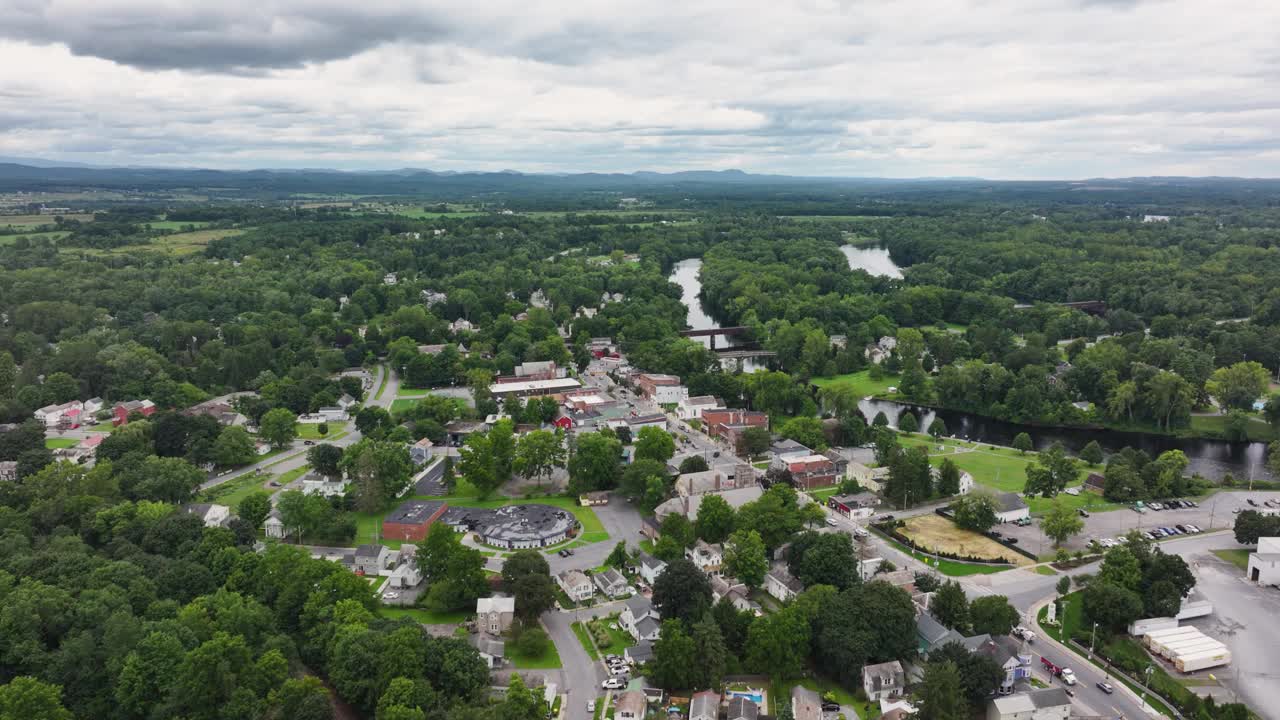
296,456
581,675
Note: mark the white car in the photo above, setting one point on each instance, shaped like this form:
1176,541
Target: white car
612,683
831,521
591,706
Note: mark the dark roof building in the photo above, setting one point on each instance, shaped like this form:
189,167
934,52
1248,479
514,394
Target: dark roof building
412,519
515,526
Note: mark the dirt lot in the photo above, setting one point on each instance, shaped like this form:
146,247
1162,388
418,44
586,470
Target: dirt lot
936,532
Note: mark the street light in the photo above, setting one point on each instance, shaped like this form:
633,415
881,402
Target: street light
1148,672
1092,639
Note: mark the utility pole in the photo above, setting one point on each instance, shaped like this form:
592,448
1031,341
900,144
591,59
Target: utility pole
1144,686
1093,638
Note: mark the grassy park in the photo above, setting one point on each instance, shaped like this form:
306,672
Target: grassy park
861,382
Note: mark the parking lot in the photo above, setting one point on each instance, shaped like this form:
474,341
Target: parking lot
1215,512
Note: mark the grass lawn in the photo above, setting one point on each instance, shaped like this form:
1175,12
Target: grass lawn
1237,557
947,567
401,404
548,660
824,493
104,426
780,692
176,224
586,538
860,381
311,431
56,443
1215,425
386,375
427,617
290,475
580,632
1045,570
232,492
1092,502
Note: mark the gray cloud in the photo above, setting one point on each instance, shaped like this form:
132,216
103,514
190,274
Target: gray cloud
1000,88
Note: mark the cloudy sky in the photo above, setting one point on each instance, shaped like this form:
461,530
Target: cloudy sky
897,88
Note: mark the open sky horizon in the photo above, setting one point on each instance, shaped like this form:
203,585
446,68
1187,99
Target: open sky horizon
997,89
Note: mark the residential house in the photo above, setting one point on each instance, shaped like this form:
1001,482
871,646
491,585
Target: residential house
273,525
661,389
650,567
785,448
575,584
313,483
931,634
333,414
492,650
431,298
868,478
211,514
9,471
639,653
123,410
708,557
840,462
885,680
346,402
494,615
781,584
371,559
880,350
54,415
1006,653
742,708
420,451
856,505
461,325
390,279
738,593
630,705
650,529
806,704
611,583
592,499
1010,507
405,575
1095,482
1264,565
1047,704
93,406
690,408
705,706
459,430
640,619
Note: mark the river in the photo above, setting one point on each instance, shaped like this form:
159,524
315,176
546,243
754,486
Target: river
685,274
1210,458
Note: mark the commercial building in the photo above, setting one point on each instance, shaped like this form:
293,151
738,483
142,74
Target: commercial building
1264,565
412,519
662,389
515,526
1010,507
1047,704
534,388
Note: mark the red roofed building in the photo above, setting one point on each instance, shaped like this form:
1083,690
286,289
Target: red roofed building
810,471
124,409
730,424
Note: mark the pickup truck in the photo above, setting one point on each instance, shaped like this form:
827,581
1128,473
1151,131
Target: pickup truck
1025,634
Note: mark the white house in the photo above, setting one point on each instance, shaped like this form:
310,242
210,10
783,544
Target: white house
491,649
389,279
640,619
93,406
52,415
420,452
708,557
211,514
885,680
1264,565
346,402
705,706
461,325
576,585
371,559
1047,704
314,483
650,567
1010,507
690,408
781,584
333,414
273,525
406,575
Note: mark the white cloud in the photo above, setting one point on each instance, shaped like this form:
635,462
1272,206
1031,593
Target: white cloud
998,88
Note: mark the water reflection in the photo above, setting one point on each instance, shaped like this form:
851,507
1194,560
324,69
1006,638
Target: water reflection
875,260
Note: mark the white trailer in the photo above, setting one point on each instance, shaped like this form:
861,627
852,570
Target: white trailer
1138,628
1199,608
1174,652
1155,639
1203,661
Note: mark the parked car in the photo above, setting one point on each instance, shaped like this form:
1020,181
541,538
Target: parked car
1156,506
591,706
1022,522
1106,687
613,683
831,521
308,442
619,670
830,707
1195,528
1083,512
1011,540
1181,527
1251,502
